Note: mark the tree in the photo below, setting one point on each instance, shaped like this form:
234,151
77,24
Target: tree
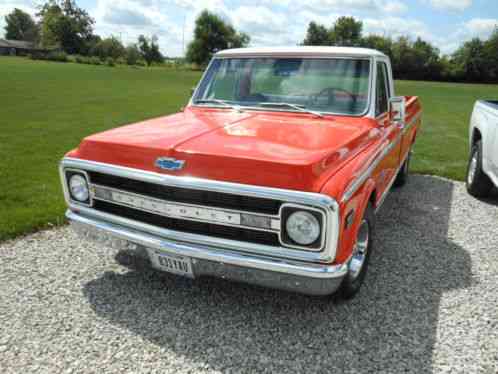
66,25
212,34
89,45
238,39
108,47
403,59
491,56
316,35
149,49
346,32
470,61
448,69
20,26
132,54
379,43
427,62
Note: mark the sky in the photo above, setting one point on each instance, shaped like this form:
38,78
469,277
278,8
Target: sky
445,23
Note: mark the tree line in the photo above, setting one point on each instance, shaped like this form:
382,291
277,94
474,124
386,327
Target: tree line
474,61
66,27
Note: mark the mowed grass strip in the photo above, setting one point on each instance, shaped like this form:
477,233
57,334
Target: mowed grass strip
442,146
47,108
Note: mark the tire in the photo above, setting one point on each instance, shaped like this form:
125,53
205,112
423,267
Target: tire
358,265
477,182
404,172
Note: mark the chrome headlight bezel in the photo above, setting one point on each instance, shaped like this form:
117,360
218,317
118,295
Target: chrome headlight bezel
286,211
68,175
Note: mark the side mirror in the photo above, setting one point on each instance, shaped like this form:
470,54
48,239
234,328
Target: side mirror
397,107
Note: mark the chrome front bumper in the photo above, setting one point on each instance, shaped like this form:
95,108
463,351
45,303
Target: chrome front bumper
296,276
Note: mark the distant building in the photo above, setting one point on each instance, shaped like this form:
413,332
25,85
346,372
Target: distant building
18,48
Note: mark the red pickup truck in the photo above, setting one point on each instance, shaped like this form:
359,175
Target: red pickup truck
271,175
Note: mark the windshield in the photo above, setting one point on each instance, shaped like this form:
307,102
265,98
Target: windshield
337,85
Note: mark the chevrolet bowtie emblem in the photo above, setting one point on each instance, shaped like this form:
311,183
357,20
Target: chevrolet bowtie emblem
167,163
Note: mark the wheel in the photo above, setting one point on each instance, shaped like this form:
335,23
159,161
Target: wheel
478,183
404,172
358,265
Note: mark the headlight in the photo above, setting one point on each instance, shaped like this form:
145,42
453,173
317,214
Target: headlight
303,227
79,188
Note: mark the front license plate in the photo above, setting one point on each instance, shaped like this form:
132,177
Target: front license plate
172,264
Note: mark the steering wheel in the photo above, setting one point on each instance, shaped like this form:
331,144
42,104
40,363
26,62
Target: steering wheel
255,97
331,94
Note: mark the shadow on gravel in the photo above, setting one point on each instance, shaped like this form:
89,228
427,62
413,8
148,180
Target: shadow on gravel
390,326
492,199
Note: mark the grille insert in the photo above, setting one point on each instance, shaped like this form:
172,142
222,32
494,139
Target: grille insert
188,196
201,228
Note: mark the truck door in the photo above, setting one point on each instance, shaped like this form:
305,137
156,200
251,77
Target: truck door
386,171
493,151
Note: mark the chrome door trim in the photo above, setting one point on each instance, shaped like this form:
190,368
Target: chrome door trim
388,188
362,178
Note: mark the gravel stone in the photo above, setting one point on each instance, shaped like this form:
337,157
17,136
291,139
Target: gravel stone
430,304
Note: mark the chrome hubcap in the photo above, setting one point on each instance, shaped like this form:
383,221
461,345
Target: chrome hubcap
472,168
360,250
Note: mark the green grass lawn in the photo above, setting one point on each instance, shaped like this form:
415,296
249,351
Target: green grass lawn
47,108
442,147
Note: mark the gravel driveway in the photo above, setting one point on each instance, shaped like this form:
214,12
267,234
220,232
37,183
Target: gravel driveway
430,305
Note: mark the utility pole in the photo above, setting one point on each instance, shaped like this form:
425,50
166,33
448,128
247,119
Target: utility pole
183,34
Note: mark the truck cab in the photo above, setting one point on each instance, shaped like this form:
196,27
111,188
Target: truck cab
271,175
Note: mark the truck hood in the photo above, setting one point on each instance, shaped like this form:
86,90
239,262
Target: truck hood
274,149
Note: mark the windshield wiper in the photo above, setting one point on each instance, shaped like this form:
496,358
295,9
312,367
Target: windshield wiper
218,101
294,106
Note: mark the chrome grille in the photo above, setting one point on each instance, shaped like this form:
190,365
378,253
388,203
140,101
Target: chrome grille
188,212
227,196
193,227
195,219
188,195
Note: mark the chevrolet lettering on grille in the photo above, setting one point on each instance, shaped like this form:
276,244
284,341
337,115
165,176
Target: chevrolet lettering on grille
176,210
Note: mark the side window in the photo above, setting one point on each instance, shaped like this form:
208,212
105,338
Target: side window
382,90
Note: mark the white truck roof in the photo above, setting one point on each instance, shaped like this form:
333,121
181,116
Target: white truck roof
301,51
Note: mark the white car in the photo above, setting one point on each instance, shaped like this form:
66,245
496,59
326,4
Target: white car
482,170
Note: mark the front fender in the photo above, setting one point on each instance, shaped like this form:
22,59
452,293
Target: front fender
350,215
